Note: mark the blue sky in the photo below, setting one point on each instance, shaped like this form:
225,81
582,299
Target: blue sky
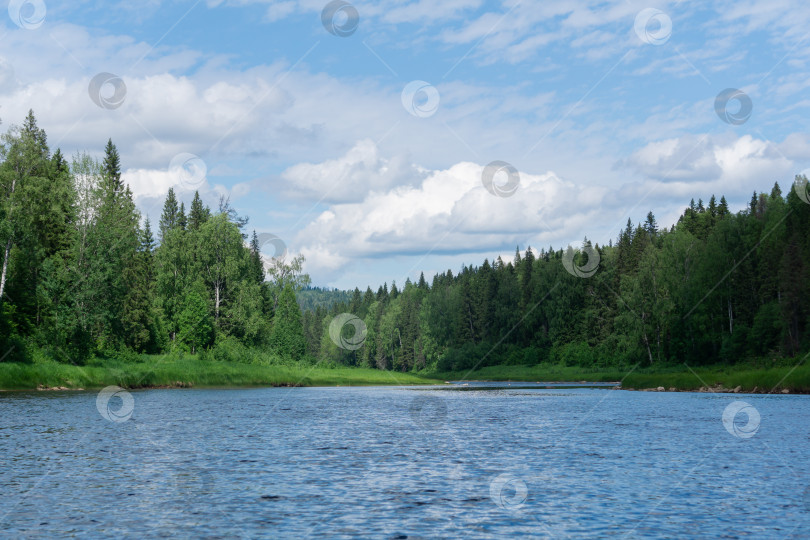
605,109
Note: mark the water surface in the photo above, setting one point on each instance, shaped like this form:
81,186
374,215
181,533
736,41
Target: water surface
491,461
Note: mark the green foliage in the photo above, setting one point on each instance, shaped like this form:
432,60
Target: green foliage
287,335
195,325
175,370
82,279
716,287
230,349
311,298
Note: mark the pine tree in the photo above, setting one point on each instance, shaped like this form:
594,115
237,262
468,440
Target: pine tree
256,263
368,298
111,168
181,217
650,225
115,234
525,279
776,192
38,140
168,219
199,213
172,262
722,210
422,283
287,336
137,317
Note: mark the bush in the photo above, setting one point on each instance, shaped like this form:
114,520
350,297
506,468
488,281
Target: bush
328,364
126,355
577,353
230,349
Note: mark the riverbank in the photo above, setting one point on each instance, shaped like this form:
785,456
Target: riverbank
738,378
190,371
187,372
538,373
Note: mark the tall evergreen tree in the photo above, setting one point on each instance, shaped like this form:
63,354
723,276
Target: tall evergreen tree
287,335
111,168
182,221
138,318
168,219
198,214
256,262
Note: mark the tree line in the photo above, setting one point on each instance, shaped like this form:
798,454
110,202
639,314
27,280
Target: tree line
83,274
716,287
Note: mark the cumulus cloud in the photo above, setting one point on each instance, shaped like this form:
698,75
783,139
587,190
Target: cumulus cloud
726,162
382,184
350,177
448,212
149,183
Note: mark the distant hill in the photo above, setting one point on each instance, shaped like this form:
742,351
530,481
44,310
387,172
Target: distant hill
311,298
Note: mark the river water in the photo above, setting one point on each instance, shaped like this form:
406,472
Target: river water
478,461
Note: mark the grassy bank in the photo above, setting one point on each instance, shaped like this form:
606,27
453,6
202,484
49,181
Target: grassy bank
156,371
748,377
538,373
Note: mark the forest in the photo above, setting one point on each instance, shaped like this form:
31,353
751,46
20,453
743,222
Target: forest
84,276
717,288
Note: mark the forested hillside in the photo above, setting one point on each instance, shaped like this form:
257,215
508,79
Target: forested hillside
311,298
717,287
83,275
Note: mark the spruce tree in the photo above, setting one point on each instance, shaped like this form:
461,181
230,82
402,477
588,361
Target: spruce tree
199,213
287,336
256,263
111,168
722,210
168,219
181,217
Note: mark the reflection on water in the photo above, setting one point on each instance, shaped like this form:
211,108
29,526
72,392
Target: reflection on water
492,461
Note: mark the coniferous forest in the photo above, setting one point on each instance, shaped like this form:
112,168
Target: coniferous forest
719,287
83,276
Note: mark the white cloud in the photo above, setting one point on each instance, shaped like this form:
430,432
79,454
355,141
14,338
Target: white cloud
448,212
725,162
405,185
150,183
350,177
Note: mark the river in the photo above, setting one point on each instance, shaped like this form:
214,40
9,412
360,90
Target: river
397,462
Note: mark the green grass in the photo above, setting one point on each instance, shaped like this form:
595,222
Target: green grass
747,377
538,373
154,371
